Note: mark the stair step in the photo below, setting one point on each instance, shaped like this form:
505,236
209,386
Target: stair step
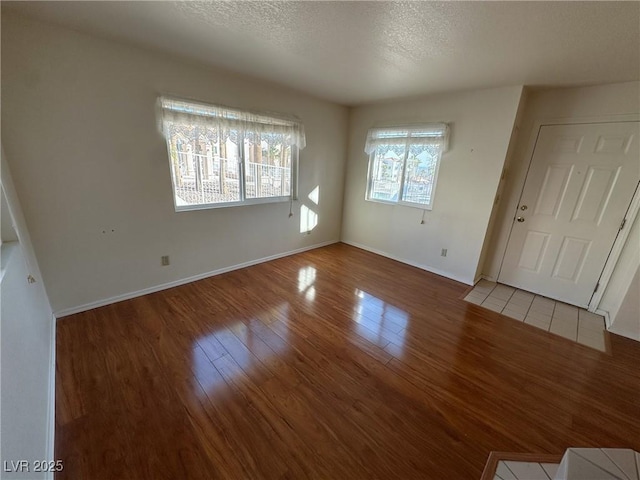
599,464
500,464
575,464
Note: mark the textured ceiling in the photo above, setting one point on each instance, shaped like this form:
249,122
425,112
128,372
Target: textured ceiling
358,52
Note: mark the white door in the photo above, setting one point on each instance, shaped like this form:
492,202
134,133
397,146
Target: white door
580,183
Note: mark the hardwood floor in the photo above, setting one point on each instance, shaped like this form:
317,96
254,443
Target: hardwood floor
335,363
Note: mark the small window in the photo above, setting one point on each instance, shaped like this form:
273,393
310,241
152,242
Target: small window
403,163
224,157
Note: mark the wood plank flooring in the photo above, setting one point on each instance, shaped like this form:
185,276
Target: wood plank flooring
335,363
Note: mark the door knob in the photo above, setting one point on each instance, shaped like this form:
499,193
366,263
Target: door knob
520,219
523,207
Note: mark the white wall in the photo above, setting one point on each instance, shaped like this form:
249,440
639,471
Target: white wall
627,319
621,299
516,134
6,224
481,125
27,348
564,103
78,117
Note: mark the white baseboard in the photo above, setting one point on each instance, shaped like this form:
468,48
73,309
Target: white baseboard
145,291
51,411
488,278
408,262
605,314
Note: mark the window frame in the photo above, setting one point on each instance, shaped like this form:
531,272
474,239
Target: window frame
242,184
242,180
409,140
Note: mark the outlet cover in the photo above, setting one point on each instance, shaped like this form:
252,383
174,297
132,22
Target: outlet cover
444,252
164,260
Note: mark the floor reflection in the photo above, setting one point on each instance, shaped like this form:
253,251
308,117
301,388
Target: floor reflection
306,279
379,321
206,374
248,344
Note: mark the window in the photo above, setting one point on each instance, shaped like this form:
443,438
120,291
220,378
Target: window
403,163
223,157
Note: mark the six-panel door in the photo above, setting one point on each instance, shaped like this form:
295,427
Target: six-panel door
579,186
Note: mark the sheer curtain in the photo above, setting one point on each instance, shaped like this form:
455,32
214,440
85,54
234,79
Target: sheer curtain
178,111
424,134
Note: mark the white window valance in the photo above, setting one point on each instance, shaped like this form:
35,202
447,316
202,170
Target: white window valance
424,134
192,113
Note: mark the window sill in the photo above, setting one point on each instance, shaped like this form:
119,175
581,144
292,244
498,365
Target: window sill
401,204
253,201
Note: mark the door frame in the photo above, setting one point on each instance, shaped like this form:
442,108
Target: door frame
632,210
618,245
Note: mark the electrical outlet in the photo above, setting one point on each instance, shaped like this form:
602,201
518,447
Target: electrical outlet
164,260
444,252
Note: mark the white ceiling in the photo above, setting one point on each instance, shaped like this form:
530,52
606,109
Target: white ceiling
359,52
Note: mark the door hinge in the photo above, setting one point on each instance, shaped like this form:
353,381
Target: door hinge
597,287
624,221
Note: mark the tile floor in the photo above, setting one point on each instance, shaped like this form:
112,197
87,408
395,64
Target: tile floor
556,317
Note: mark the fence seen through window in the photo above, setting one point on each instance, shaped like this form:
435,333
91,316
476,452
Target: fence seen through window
209,167
221,156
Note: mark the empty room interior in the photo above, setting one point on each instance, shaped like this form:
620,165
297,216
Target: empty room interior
291,239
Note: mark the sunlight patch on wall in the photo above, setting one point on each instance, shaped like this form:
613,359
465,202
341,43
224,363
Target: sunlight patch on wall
308,217
314,196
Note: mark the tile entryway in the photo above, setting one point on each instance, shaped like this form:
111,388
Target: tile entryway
568,321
